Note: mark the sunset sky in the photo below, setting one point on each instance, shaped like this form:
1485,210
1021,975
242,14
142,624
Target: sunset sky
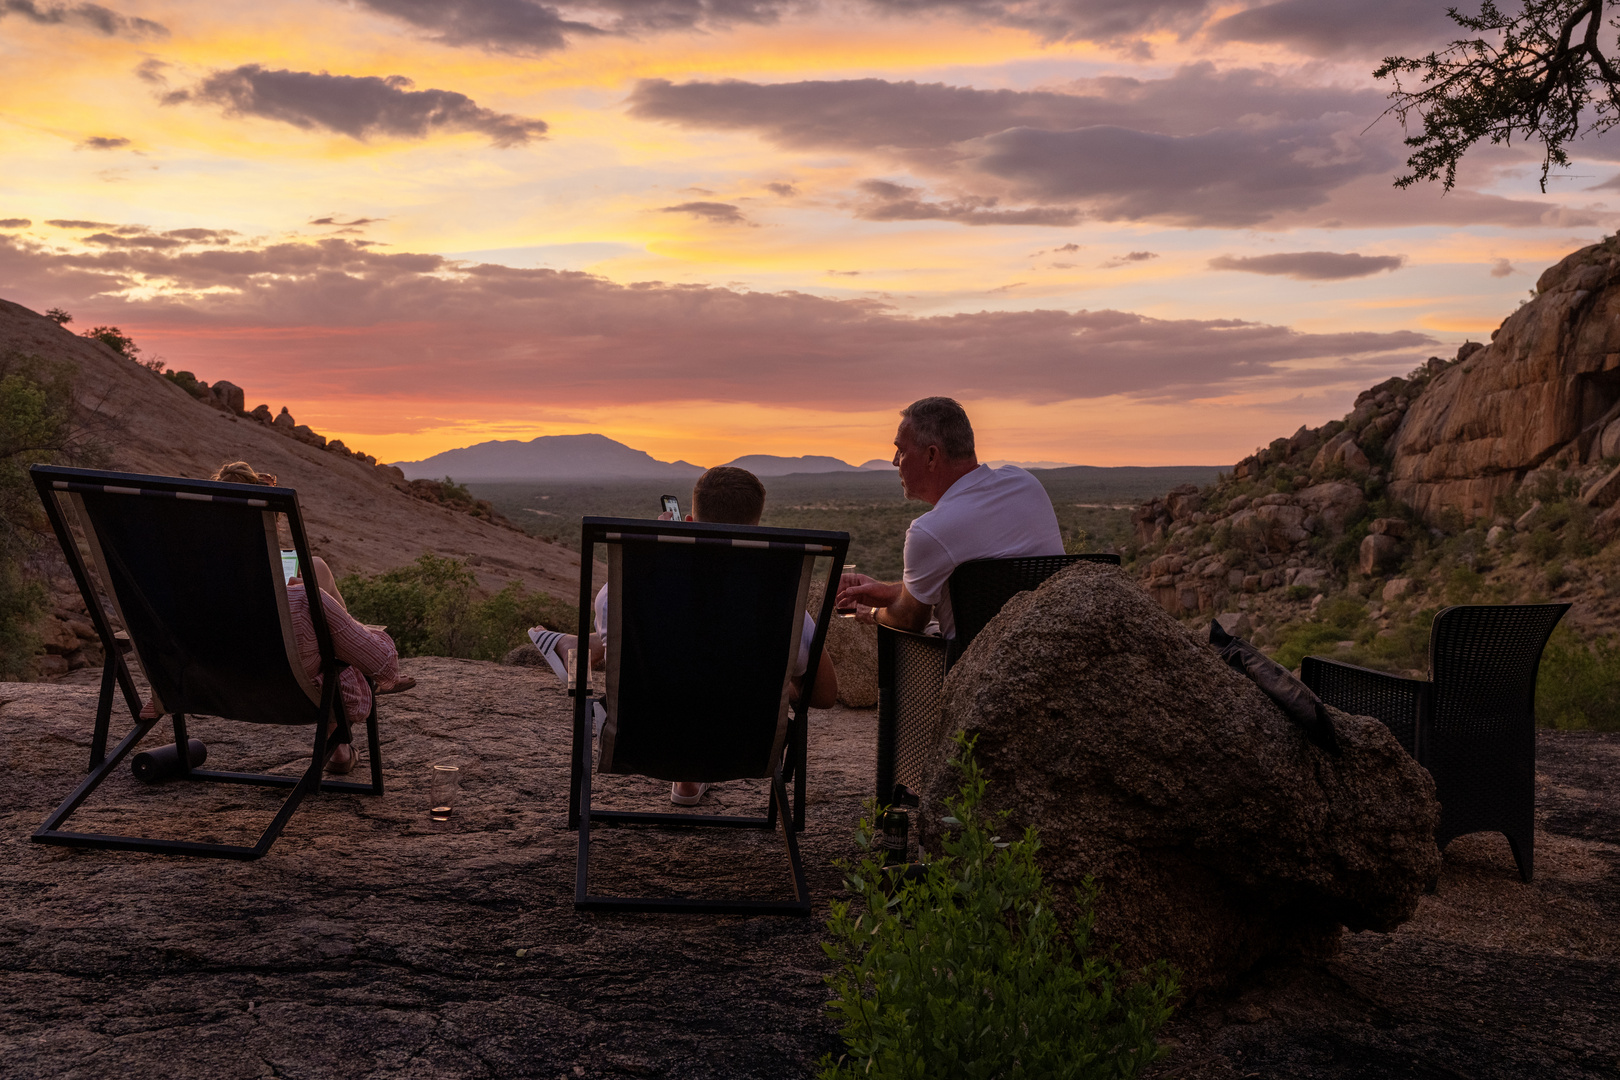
1155,232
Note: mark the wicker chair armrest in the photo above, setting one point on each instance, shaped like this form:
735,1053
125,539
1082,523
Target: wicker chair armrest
1402,704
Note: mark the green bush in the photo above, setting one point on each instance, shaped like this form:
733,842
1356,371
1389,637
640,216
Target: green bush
432,608
115,339
1342,618
36,425
967,973
1578,685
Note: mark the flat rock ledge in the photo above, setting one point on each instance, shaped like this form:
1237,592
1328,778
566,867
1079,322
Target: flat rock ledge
369,944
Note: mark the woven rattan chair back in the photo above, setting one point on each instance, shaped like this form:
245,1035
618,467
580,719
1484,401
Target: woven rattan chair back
1482,738
981,588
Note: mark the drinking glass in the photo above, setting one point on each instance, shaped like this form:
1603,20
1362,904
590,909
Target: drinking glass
442,798
846,612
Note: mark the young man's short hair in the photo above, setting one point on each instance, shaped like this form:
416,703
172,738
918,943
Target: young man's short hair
728,496
941,422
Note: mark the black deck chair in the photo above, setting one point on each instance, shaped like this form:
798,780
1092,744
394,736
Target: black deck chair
1474,726
193,570
912,667
704,624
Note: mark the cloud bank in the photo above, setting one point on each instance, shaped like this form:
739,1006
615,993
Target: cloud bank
1311,265
87,16
360,107
1199,147
335,313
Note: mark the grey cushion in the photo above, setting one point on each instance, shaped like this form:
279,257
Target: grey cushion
1293,697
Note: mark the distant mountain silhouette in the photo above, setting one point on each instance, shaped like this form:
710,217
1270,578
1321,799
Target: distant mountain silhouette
549,457
1032,464
878,463
772,465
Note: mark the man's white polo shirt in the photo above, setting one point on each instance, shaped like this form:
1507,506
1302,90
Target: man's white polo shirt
987,514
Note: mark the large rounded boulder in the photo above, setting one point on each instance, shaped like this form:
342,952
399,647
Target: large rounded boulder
1218,833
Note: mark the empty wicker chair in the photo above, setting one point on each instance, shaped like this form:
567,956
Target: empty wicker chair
1473,726
912,667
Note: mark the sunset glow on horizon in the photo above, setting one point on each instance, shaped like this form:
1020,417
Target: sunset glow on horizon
1147,234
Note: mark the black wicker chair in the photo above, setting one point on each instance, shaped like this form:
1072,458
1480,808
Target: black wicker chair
1473,726
704,622
912,667
193,570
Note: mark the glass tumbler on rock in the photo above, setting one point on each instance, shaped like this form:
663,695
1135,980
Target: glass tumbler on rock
442,796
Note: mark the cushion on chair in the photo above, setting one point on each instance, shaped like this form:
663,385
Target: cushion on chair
1293,697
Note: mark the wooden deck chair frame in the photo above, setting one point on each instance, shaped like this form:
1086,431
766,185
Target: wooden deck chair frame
785,758
84,497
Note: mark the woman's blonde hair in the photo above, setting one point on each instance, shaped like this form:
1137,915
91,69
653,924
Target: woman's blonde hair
240,472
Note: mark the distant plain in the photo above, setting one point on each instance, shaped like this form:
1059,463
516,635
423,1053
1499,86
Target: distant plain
1093,505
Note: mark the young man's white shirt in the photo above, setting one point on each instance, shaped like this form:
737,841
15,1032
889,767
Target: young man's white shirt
988,514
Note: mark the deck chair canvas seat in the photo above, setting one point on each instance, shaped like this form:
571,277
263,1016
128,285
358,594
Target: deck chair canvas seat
704,627
193,571
1473,726
912,667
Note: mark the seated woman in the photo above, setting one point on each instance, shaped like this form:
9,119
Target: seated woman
367,652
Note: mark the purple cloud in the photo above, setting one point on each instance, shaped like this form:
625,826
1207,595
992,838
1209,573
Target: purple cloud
360,107
1311,265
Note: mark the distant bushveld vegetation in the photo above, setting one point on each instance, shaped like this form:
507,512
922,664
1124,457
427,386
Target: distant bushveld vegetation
432,607
869,506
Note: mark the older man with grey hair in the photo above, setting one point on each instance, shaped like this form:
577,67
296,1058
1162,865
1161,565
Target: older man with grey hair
978,513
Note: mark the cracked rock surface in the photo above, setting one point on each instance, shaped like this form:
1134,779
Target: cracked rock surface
368,943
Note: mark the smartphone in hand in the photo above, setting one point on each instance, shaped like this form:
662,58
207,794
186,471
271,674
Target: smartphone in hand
671,506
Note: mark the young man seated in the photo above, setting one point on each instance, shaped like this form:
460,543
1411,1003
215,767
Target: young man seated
722,496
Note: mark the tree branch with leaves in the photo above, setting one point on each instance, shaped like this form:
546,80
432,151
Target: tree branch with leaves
1540,75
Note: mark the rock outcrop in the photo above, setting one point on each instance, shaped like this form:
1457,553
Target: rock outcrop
1545,390
853,648
1218,833
357,514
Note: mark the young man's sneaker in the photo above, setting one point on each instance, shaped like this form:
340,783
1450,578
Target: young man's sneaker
546,641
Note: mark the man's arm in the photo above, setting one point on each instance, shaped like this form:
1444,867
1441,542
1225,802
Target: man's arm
892,602
906,612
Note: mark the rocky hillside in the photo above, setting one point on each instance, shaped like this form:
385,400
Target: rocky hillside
1490,477
361,516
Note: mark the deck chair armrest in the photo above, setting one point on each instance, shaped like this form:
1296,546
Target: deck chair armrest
1401,703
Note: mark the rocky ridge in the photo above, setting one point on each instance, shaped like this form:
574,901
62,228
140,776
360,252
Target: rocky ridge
1493,476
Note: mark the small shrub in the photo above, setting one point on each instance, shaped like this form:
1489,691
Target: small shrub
1463,584
1340,619
1542,544
1578,685
1556,573
967,972
431,608
115,339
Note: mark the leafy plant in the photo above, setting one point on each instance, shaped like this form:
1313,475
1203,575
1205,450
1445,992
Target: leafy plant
37,425
115,339
432,607
1578,685
966,972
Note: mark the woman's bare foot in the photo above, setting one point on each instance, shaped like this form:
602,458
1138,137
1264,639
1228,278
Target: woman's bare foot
341,758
